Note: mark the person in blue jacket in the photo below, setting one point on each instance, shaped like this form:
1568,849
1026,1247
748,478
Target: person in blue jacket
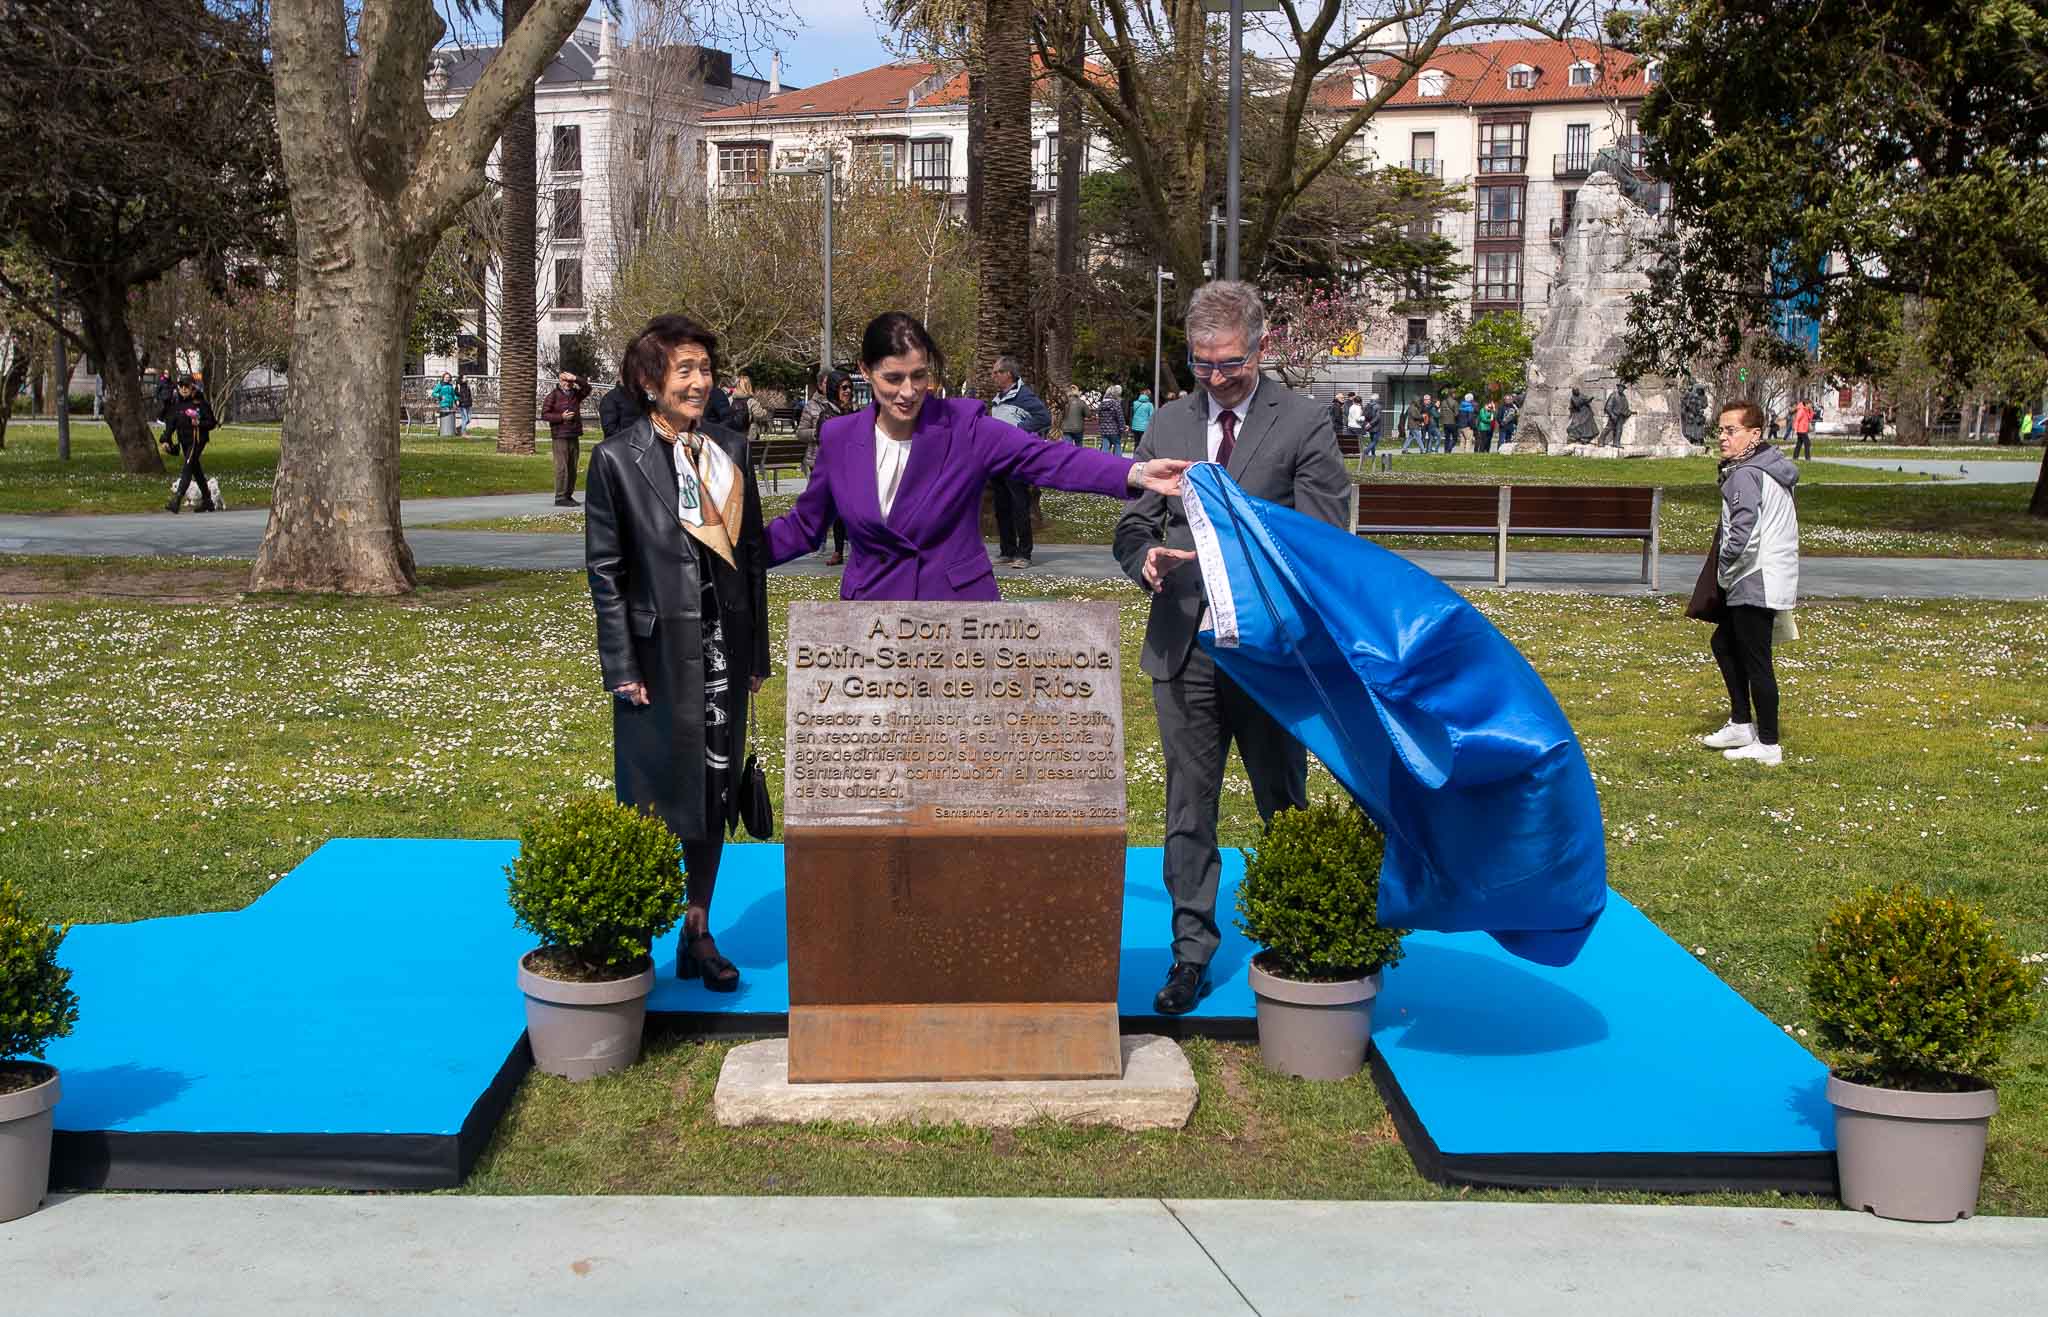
1141,417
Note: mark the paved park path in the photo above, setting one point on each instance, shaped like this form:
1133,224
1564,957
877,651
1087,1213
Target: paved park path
1966,471
237,534
225,1255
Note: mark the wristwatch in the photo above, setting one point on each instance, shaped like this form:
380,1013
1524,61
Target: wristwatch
1135,477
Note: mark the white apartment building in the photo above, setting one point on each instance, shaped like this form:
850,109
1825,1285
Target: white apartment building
1515,125
906,120
586,111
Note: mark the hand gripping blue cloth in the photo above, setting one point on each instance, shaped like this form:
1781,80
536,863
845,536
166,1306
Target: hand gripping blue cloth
1427,714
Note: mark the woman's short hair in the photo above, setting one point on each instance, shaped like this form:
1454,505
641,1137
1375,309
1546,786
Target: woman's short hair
1225,307
898,334
1747,414
643,366
835,380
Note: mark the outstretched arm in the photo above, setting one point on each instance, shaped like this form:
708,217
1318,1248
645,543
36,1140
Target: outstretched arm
801,529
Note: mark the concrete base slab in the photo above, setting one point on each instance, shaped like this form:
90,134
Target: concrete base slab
1157,1091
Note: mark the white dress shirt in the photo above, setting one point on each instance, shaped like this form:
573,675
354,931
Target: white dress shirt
891,456
1216,421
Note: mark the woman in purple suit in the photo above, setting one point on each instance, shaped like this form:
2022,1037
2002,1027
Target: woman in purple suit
907,473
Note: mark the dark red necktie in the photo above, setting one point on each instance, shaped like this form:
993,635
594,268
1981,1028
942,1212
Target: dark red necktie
1228,420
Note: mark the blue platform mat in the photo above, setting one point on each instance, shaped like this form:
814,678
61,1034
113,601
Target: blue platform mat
358,1027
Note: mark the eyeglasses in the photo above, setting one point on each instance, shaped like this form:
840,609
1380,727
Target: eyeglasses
1733,429
1204,369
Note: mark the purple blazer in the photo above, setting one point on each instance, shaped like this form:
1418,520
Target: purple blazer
929,547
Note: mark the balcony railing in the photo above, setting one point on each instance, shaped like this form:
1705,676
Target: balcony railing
1572,164
1497,293
1500,228
1432,167
1503,164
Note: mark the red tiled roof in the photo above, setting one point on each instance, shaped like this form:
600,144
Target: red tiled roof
885,90
1479,76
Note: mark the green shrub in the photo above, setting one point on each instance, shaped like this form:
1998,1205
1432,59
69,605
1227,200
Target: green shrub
596,882
1914,992
1310,895
37,1005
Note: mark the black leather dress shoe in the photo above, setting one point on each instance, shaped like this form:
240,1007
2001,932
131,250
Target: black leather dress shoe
1185,985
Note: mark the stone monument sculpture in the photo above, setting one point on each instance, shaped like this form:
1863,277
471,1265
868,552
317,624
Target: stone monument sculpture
1605,259
1618,413
1582,427
1692,417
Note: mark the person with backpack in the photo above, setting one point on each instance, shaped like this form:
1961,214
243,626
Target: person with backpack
1074,416
189,416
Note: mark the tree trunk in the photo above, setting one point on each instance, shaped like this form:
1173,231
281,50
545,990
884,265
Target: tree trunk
17,375
1003,242
334,516
1059,347
103,311
518,317
2038,505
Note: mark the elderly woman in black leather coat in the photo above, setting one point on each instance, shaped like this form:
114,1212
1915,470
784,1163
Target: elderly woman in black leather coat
679,578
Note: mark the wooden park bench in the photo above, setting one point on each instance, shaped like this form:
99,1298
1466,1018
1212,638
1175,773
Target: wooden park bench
1571,511
773,453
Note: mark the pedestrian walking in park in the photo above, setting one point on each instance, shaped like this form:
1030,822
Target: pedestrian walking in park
1278,446
1468,417
1354,417
1109,418
1510,417
1483,430
1340,407
465,406
1416,424
445,396
1141,417
907,474
1436,422
1074,416
1374,421
563,411
188,418
834,397
679,578
1802,430
1016,403
1751,576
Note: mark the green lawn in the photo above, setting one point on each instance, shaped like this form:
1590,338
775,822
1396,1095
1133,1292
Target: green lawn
244,460
168,745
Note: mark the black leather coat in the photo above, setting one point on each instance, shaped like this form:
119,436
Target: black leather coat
649,597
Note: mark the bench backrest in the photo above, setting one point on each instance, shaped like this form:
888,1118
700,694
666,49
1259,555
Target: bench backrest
1582,507
1469,507
779,450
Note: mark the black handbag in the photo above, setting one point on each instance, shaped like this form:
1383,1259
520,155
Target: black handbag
757,813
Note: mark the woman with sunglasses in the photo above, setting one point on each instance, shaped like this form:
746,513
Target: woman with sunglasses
906,475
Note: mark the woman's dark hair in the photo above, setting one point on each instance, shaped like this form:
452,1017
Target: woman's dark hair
643,366
898,334
835,380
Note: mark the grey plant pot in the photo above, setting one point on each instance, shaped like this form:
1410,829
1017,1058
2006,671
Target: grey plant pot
25,1145
1314,1030
581,1030
1910,1156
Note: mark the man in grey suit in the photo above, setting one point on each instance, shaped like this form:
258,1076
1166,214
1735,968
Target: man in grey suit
1279,446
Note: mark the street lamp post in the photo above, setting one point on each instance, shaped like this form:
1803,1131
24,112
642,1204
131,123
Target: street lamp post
829,172
1160,276
1236,9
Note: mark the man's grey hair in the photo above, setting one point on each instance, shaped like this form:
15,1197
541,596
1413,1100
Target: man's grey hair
1008,365
1227,307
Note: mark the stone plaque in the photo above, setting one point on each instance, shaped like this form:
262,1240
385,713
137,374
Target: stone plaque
1005,714
954,823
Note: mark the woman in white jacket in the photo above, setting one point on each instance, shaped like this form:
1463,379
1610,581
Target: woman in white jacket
1758,571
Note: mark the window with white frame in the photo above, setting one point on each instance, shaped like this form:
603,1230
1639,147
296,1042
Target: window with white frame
568,149
1582,74
931,165
1499,212
569,283
1432,82
741,164
1046,170
1521,77
1652,73
1504,147
1497,277
568,223
879,158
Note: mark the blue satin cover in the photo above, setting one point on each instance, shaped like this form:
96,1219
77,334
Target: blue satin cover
1431,718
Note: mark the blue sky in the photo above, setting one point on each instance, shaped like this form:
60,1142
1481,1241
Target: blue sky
832,34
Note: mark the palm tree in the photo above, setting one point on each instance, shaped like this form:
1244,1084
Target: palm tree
1003,230
518,317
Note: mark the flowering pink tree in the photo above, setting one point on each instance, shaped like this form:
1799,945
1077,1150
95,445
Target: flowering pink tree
1308,322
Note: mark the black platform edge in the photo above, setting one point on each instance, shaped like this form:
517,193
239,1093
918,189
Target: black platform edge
179,1161
717,1024
1646,1172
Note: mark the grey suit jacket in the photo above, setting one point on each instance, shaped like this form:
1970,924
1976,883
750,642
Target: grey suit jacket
1285,453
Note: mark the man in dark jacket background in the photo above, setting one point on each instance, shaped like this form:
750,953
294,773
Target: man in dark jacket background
1016,403
189,416
562,409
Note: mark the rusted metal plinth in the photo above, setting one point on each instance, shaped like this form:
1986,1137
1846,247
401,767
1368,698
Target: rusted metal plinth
918,954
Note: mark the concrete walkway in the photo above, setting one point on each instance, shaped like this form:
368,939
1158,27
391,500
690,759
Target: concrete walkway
1966,471
237,534
224,1255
